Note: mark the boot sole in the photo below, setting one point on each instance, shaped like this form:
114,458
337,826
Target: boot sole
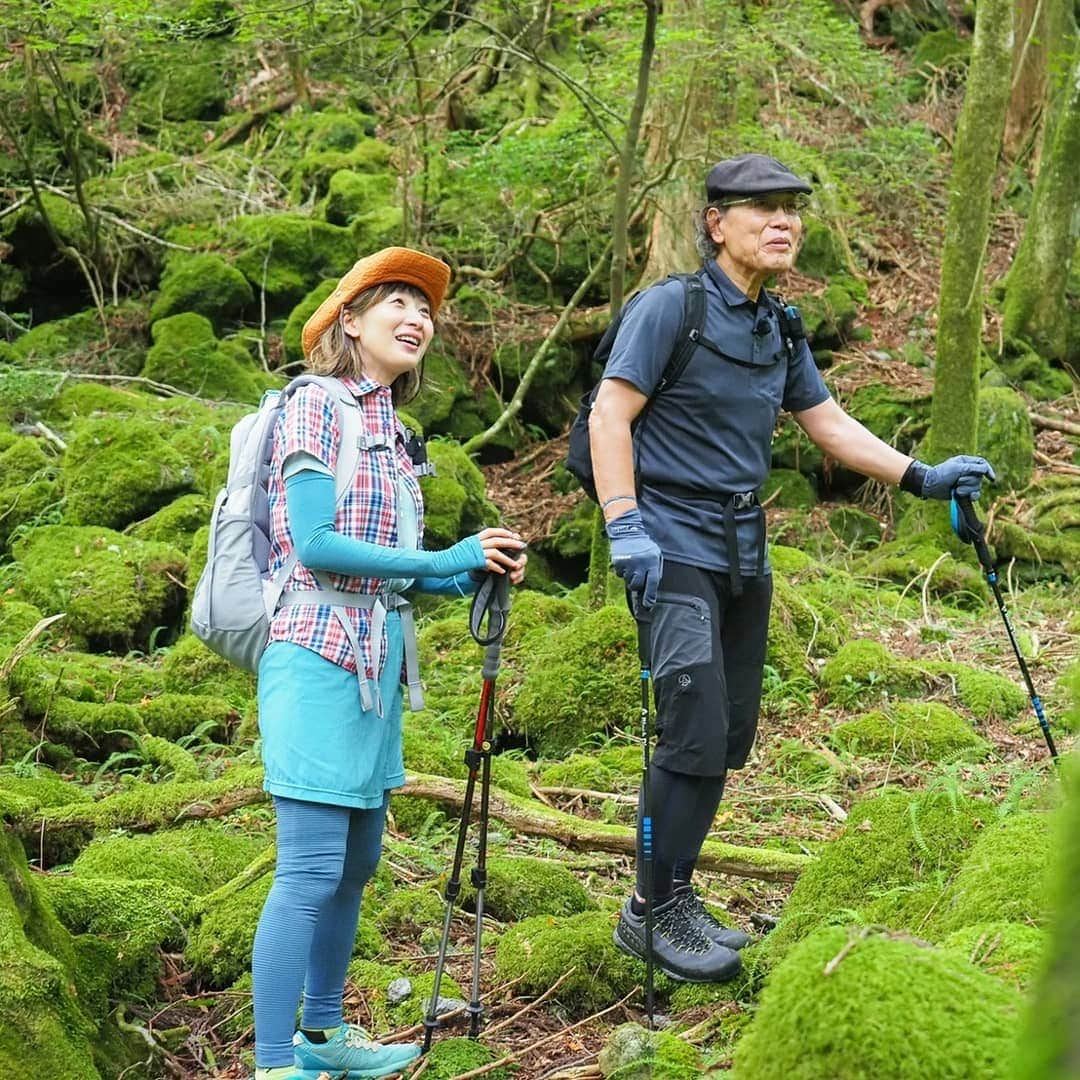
675,976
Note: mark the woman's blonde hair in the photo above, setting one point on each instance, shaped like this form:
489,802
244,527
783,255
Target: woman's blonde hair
339,354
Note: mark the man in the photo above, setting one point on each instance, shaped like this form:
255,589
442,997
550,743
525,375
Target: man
687,532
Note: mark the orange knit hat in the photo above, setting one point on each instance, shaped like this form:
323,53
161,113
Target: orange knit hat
427,273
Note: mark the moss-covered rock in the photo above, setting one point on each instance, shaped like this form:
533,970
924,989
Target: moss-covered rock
310,175
17,619
455,500
286,255
853,527
582,681
801,624
790,488
186,81
114,589
374,979
631,1052
572,533
898,415
985,694
82,342
520,886
1004,876
177,523
821,254
931,1014
892,843
1031,373
117,471
185,354
1006,439
25,794
197,857
190,667
294,325
445,384
137,919
173,716
542,949
449,1058
409,912
938,63
1011,951
205,284
912,731
864,671
829,318
29,492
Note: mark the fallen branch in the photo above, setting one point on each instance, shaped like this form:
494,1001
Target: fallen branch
247,122
1049,423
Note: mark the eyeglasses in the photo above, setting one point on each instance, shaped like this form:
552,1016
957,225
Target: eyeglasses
790,203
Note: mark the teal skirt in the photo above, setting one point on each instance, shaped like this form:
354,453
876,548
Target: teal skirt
318,743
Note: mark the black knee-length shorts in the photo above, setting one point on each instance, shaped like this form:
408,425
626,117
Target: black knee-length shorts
707,654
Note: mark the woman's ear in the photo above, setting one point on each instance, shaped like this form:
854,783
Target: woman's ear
350,323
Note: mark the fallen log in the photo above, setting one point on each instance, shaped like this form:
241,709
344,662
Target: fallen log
144,807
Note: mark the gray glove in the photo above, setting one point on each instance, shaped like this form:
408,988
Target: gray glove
635,556
961,475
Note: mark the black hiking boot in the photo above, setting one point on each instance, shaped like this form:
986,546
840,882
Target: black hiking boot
694,910
681,950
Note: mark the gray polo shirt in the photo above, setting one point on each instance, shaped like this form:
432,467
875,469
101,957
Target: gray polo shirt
709,434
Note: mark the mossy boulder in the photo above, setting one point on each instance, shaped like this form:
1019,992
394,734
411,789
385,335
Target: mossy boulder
540,950
520,886
801,623
190,667
136,918
916,560
987,695
410,912
453,1057
1011,951
1006,438
632,1052
286,255
932,1015
117,471
898,415
821,254
582,681
17,619
41,679
369,204
82,342
310,175
455,499
556,384
1003,876
572,533
29,491
174,716
854,528
183,82
829,318
177,523
197,857
788,488
938,63
25,794
912,731
893,843
1032,373
294,325
445,384
115,590
373,979
185,354
205,284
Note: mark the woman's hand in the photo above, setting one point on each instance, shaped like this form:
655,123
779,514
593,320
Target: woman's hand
504,552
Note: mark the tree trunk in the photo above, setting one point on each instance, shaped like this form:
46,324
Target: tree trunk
1035,303
953,415
1040,26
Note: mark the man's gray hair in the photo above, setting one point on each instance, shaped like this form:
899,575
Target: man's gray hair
706,246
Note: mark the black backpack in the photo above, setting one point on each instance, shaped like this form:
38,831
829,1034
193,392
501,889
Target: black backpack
579,453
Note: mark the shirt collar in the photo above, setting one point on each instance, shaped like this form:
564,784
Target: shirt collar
731,292
362,386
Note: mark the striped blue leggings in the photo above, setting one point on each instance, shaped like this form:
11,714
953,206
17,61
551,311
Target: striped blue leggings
304,941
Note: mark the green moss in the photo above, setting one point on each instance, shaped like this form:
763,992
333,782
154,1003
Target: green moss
593,659
94,729
351,195
791,489
114,589
455,499
801,624
911,560
804,766
449,1058
17,619
219,948
932,1015
185,354
286,255
864,671
172,716
912,731
1002,877
137,918
1006,439
1032,373
117,471
519,887
168,760
175,524
541,949
633,1053
1069,686
853,527
572,533
203,283
1010,951
988,695
410,912
190,667
821,254
81,343
311,174
578,771
374,979
445,383
294,325
892,843
197,857
898,415
23,794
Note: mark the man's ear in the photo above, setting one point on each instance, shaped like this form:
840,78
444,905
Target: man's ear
714,224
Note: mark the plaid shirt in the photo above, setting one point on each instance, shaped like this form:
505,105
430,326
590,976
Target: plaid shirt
368,512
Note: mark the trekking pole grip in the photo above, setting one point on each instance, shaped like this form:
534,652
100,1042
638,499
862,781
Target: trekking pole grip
974,531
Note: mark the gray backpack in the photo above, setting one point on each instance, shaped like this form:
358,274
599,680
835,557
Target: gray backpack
236,596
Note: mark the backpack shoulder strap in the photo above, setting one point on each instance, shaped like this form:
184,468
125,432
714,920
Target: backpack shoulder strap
693,322
791,325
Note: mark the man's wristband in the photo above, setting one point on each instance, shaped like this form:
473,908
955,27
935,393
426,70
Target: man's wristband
914,477
617,498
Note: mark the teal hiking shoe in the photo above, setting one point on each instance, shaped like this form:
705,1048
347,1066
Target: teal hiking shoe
351,1053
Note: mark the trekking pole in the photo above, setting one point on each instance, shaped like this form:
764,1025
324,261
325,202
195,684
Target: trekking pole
970,529
492,600
637,610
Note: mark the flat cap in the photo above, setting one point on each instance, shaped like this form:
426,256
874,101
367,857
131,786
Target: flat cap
751,174
428,274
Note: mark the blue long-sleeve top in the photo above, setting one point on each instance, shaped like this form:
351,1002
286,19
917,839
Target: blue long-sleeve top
309,498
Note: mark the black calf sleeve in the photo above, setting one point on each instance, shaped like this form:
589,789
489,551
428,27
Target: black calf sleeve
683,808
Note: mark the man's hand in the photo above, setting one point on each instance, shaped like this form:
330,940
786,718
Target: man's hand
634,555
961,475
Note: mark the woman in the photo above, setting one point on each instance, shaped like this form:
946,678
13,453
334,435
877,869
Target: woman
330,692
